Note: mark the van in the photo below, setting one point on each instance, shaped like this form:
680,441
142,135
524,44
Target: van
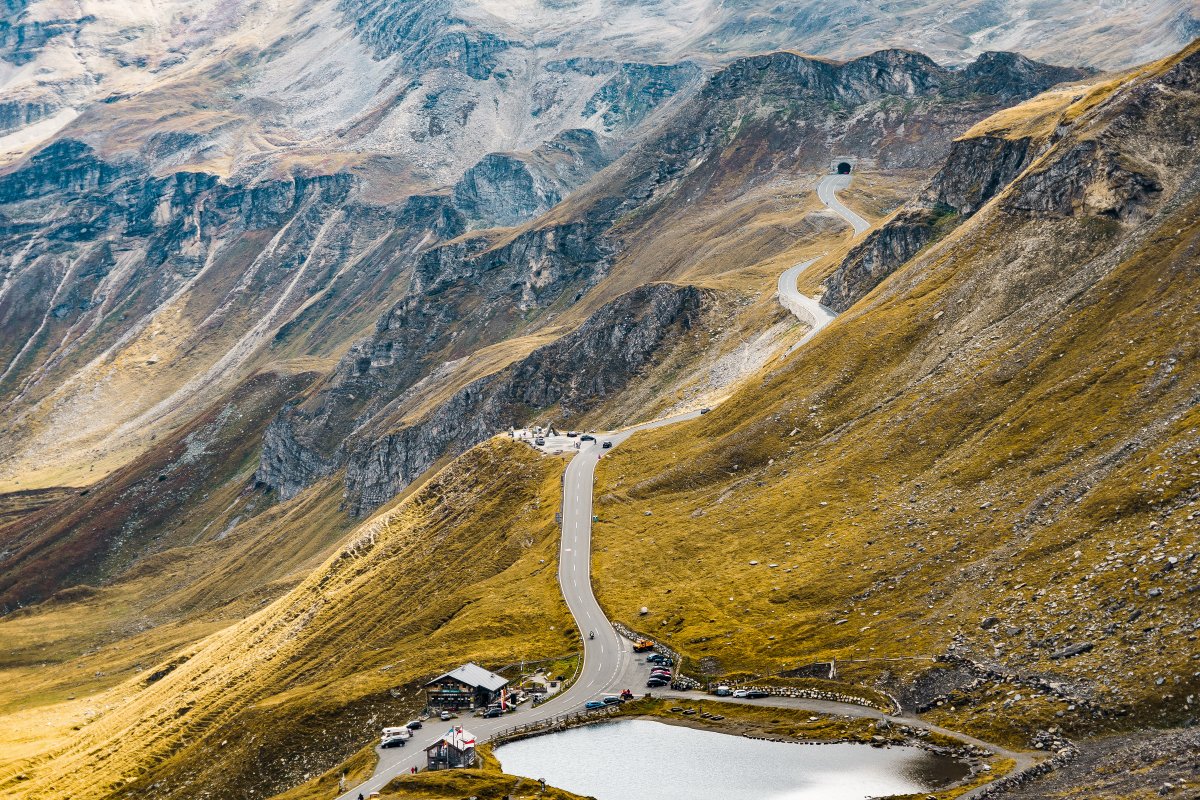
723,691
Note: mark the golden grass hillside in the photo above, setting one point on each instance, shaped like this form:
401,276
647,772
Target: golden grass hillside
994,454
463,569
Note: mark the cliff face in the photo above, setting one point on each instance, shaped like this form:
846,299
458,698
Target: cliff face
975,170
568,377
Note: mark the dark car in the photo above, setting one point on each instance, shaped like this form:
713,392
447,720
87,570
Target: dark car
414,725
661,676
606,445
611,700
587,437
658,658
656,682
492,713
705,410
392,741
757,694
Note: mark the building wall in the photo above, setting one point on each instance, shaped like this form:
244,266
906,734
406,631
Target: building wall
455,694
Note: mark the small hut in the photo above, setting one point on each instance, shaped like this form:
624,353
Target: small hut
455,750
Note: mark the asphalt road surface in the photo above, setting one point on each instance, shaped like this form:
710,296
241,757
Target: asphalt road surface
827,192
806,309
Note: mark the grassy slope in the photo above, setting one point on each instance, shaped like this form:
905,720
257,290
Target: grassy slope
464,569
1014,395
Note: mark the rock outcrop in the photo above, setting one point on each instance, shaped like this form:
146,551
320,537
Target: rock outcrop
975,170
508,188
571,375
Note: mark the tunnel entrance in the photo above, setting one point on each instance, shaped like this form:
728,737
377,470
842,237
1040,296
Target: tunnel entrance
843,168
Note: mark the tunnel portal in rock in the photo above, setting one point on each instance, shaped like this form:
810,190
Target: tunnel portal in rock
843,164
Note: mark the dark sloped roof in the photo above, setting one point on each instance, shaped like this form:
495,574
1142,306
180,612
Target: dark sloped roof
475,675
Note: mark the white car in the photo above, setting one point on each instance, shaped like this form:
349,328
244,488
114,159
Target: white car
402,732
445,715
741,692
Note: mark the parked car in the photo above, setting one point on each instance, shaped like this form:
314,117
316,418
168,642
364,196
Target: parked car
723,691
587,437
656,682
492,713
445,715
664,675
611,700
657,658
572,434
594,704
606,445
539,441
741,693
415,725
392,741
757,694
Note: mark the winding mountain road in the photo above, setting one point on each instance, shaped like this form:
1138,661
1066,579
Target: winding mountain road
827,193
806,309
609,663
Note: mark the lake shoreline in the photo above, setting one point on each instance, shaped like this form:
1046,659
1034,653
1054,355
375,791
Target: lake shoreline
816,729
576,761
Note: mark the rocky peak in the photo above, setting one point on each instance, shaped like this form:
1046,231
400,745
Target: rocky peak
1011,74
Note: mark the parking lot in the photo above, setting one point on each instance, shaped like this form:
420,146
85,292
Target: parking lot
551,443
